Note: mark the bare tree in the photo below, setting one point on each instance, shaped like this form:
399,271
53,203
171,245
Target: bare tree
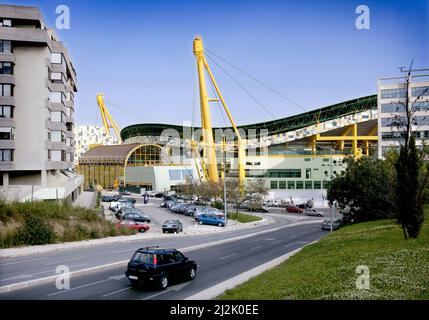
412,174
253,191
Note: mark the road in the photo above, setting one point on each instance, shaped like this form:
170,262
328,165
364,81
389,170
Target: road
215,264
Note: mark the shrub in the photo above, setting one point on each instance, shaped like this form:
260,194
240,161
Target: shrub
34,231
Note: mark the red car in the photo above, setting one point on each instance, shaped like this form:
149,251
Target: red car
130,224
293,209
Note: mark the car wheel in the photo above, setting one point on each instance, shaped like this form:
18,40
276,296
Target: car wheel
163,231
163,281
200,222
192,273
134,283
219,224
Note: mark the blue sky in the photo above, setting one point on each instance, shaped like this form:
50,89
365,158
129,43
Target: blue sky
139,53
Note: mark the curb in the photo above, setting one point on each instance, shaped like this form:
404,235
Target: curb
31,283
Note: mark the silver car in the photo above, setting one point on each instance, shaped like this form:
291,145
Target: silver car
313,213
336,223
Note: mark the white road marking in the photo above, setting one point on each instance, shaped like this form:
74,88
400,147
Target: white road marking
115,292
23,261
277,241
78,287
228,256
257,247
21,276
296,242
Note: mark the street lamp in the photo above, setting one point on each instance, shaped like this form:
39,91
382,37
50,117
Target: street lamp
224,180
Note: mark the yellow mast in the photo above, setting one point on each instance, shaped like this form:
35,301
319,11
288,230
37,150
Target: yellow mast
107,118
209,146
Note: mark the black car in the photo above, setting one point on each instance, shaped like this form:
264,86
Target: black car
136,215
172,226
159,266
110,198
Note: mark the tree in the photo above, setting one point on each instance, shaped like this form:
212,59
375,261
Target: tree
253,191
412,174
410,194
359,192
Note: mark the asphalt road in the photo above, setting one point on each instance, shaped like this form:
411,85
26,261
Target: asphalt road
215,265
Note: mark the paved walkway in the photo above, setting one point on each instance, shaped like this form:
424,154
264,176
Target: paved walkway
87,199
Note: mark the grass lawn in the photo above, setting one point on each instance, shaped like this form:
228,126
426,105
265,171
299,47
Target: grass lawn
399,269
243,217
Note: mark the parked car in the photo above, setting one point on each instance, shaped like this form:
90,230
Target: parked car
258,207
176,208
211,219
136,215
125,193
336,223
172,226
110,198
130,224
293,209
159,266
121,205
313,213
198,211
190,210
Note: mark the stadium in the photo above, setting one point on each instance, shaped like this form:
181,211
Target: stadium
295,156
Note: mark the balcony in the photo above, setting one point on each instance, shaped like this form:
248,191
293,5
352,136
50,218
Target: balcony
7,122
25,35
54,145
7,165
55,126
7,144
7,78
7,57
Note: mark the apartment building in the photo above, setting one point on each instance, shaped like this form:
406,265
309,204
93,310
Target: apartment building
392,93
37,87
87,136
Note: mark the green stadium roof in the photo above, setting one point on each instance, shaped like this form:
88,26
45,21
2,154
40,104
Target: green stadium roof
274,127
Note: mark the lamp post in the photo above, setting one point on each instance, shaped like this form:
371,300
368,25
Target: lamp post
224,181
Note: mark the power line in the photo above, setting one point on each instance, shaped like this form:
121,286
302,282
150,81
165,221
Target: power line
259,81
127,110
242,88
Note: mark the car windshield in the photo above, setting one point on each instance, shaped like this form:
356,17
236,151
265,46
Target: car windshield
143,257
169,222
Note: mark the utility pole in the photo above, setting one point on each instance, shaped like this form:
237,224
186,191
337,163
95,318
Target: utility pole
332,205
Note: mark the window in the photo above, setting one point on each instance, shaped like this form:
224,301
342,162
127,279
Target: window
300,185
6,68
6,155
56,58
273,185
187,173
6,112
307,173
392,107
178,257
56,77
286,173
56,136
6,23
282,184
317,185
57,116
308,184
5,46
6,133
175,174
420,91
393,93
326,184
291,184
55,97
55,155
6,90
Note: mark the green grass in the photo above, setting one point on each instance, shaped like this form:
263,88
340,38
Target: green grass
399,269
43,222
243,217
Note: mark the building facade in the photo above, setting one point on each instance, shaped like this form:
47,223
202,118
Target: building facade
87,136
38,83
392,93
